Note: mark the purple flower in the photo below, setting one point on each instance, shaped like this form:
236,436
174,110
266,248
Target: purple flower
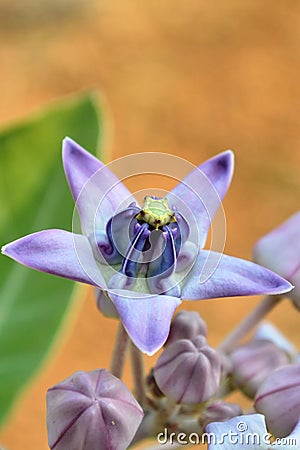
144,259
279,250
91,411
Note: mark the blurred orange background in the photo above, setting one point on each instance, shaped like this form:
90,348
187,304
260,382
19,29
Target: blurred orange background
190,78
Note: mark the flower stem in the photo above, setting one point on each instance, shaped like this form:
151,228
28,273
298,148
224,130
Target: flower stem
137,365
250,321
119,353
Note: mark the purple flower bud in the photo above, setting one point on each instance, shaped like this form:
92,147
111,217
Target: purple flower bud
91,411
279,250
188,371
253,362
278,399
186,325
220,412
105,305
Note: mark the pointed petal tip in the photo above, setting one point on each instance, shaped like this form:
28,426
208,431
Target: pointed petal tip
226,161
4,249
7,249
69,146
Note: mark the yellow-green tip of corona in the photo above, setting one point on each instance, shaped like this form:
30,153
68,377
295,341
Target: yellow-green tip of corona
156,212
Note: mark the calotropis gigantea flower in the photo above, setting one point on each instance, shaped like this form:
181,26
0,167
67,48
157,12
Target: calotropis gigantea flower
144,258
279,250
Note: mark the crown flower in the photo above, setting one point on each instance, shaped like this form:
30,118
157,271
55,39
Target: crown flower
144,259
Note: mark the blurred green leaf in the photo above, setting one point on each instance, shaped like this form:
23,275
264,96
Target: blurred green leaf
34,195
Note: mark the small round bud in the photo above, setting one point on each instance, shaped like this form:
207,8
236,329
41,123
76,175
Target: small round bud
91,410
220,412
186,325
188,371
105,305
278,399
253,362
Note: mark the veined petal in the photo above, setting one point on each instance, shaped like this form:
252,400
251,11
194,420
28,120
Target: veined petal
226,276
97,192
146,317
202,191
57,252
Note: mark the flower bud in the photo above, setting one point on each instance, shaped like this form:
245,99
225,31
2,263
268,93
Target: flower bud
188,371
91,410
278,399
268,331
186,325
220,412
279,251
253,362
105,305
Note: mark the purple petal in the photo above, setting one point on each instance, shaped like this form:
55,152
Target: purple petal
97,192
280,249
216,275
241,432
146,317
57,252
200,193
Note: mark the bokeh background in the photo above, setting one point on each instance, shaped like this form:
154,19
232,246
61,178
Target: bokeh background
190,78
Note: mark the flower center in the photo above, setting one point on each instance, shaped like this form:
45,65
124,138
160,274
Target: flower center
156,212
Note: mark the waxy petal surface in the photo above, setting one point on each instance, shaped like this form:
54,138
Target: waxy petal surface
146,317
97,192
202,191
57,252
215,275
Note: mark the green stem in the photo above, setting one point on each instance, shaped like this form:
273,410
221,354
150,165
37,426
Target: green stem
119,353
250,321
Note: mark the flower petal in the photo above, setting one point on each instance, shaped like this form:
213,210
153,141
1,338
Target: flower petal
280,249
200,193
57,252
93,186
216,275
146,317
241,432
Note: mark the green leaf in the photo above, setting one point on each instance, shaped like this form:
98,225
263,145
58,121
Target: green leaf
34,195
